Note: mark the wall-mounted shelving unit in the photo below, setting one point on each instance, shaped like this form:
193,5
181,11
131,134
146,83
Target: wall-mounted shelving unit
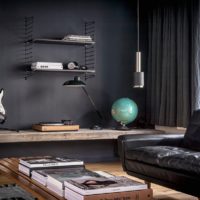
89,51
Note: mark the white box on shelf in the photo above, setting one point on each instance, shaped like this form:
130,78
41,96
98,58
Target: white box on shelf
46,66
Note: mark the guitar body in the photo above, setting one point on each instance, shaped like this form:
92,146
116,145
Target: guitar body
2,110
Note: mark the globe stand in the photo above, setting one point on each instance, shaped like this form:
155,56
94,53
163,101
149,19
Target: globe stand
123,127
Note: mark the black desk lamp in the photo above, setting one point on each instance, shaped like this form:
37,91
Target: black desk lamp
76,82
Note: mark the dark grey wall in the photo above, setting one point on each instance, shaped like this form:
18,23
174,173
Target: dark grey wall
89,151
42,97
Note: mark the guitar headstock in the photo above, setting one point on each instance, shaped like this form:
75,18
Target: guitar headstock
1,92
2,110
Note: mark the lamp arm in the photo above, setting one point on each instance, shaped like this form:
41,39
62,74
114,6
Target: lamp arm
93,104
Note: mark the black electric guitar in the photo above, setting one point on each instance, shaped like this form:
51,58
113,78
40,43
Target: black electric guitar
2,110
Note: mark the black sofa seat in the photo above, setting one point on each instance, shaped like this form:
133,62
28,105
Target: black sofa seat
175,158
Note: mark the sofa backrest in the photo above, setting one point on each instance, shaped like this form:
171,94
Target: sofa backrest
192,135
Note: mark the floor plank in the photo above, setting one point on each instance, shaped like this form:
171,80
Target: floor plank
160,193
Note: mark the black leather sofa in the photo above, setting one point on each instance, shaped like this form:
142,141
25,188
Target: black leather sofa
170,160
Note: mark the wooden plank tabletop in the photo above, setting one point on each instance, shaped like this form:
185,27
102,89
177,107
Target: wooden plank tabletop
82,134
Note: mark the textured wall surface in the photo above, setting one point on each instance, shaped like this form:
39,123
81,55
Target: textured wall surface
42,97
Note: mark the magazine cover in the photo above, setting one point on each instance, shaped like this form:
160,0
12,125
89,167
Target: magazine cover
57,177
40,175
46,161
98,185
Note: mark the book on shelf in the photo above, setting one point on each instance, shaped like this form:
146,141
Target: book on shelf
146,194
28,164
99,185
56,178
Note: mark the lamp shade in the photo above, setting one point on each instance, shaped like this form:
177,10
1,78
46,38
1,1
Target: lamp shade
76,82
138,79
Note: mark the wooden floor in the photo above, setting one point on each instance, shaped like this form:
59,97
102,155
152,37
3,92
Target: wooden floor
160,193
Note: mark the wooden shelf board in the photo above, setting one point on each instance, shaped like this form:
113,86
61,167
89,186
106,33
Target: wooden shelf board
82,134
65,70
64,42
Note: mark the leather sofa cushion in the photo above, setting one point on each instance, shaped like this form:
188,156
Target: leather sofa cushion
175,158
192,135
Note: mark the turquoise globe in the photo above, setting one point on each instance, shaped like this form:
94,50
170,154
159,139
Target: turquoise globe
124,110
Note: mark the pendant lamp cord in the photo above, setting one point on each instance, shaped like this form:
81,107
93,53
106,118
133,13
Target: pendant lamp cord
138,25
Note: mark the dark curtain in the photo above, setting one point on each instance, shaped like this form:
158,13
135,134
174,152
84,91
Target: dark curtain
169,71
195,62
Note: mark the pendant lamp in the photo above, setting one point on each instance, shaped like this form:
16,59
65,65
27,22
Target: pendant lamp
138,76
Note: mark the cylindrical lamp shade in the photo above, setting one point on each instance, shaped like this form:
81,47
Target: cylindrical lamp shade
138,79
138,76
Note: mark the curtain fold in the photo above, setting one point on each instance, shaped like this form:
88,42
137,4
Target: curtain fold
195,61
173,62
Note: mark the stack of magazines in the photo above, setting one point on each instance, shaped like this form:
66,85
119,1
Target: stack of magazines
78,38
98,188
56,178
28,164
70,179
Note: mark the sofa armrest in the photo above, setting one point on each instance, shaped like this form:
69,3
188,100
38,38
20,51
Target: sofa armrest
128,142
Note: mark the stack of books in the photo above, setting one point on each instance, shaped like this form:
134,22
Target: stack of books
70,179
56,178
28,164
78,38
98,188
